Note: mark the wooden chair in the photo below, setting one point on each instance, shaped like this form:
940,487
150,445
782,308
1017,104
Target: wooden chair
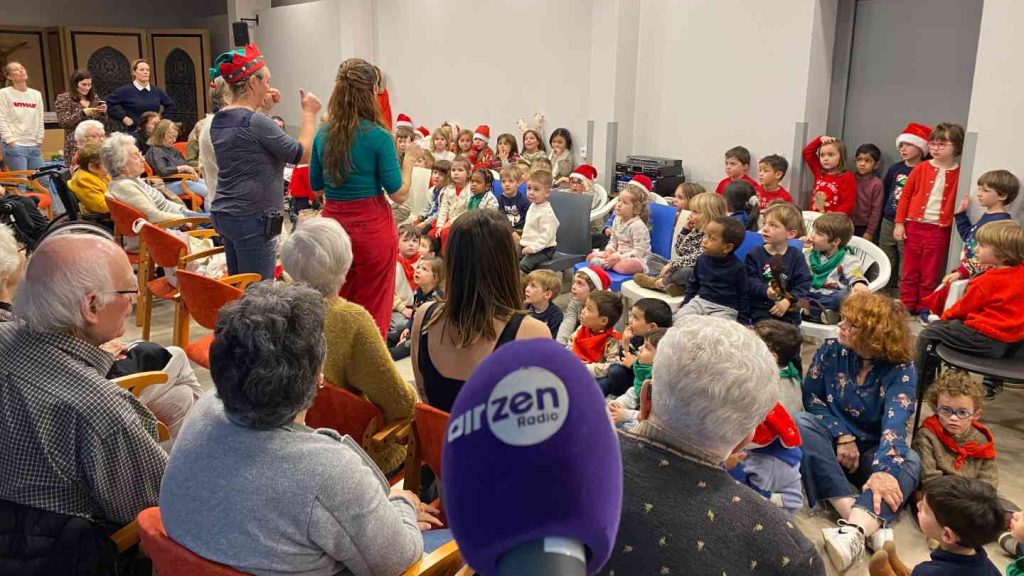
195,201
172,559
202,298
136,383
429,426
351,414
17,180
161,248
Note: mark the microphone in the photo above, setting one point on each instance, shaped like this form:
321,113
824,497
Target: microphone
531,466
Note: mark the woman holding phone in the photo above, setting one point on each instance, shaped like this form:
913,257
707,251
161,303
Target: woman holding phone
77,104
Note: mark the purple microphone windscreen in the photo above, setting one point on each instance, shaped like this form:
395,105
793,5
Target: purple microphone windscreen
530,453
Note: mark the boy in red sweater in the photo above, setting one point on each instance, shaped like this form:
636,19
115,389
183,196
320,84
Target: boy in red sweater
737,163
924,216
989,319
770,172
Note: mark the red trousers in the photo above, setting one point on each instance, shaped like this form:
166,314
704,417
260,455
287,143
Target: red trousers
924,257
371,280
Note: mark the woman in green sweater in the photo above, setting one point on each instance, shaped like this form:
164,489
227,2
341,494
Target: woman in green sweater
319,253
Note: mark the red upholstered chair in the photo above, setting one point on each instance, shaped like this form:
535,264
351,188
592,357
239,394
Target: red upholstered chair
348,413
170,558
429,426
194,200
161,248
124,217
201,299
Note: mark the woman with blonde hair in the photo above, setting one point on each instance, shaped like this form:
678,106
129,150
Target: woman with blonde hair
355,165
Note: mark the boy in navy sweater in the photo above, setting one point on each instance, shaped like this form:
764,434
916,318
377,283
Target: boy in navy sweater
541,288
512,200
778,274
718,286
996,189
913,147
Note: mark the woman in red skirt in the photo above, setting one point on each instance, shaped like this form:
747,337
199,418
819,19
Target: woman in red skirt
354,163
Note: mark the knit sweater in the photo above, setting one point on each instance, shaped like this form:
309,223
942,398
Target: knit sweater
796,279
867,210
540,229
561,164
552,316
765,197
144,198
893,183
515,209
945,563
129,101
526,159
90,190
722,281
918,190
720,189
21,116
570,321
937,460
452,203
993,304
843,276
832,192
358,361
630,239
969,265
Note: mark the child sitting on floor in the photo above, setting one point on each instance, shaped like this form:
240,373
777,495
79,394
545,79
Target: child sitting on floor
630,245
784,342
1011,543
481,189
596,342
438,181
676,274
405,266
428,278
512,202
770,464
541,288
645,315
743,204
625,410
587,280
835,269
718,286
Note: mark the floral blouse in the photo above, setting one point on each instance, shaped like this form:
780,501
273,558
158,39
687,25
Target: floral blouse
876,412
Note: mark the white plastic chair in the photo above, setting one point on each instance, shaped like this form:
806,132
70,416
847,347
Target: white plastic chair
658,199
876,267
809,217
603,212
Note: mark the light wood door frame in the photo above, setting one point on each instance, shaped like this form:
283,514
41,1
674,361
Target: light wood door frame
38,35
202,66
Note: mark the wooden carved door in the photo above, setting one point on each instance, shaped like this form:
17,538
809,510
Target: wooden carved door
180,62
108,54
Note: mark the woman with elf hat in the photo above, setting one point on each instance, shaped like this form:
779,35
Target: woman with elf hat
251,151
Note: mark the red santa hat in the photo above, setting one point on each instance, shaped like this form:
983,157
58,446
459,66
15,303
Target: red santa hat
483,132
585,172
403,120
915,135
777,424
424,131
643,182
597,276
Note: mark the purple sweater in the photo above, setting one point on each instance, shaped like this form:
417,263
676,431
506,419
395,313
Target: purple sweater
867,211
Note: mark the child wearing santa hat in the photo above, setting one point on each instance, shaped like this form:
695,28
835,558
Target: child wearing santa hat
776,441
483,154
913,147
403,121
587,280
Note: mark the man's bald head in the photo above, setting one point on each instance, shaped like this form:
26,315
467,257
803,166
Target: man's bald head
60,277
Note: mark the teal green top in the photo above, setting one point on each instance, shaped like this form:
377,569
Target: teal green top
1016,569
641,372
374,165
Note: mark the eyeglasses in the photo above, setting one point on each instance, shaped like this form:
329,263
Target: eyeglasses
133,294
938,143
961,413
845,320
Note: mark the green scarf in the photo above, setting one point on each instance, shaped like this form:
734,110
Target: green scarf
821,268
789,373
641,372
475,199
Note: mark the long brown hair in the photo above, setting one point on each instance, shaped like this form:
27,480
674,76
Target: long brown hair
483,277
353,100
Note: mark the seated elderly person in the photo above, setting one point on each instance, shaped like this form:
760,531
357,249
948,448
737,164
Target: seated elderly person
682,513
87,131
165,160
89,182
248,485
319,253
73,444
859,394
123,162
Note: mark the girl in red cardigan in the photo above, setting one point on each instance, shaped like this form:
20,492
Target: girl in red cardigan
988,320
924,216
835,188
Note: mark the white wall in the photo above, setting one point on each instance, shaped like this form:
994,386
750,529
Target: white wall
713,75
997,108
487,61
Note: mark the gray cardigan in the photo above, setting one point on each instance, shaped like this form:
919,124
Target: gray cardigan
283,501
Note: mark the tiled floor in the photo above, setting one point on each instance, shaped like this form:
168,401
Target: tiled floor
1005,417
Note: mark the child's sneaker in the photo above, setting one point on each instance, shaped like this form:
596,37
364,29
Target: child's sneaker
843,544
992,387
879,538
1009,545
925,316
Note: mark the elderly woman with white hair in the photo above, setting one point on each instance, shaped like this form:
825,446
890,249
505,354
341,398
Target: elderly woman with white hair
682,513
123,162
319,253
86,131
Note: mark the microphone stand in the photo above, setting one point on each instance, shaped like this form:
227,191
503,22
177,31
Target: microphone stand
547,557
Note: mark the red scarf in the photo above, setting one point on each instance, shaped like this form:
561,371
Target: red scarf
972,449
407,265
589,346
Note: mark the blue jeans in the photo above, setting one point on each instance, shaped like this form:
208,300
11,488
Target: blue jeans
23,157
197,187
830,299
434,539
247,247
824,478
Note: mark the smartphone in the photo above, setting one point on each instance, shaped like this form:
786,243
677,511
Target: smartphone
101,103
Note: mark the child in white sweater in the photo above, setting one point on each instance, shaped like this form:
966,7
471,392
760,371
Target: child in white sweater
537,243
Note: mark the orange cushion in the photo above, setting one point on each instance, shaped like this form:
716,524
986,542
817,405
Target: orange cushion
161,288
198,351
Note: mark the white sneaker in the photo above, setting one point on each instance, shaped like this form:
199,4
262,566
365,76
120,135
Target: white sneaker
877,540
1009,545
843,544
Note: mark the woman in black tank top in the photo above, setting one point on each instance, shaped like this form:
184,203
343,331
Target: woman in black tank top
482,293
